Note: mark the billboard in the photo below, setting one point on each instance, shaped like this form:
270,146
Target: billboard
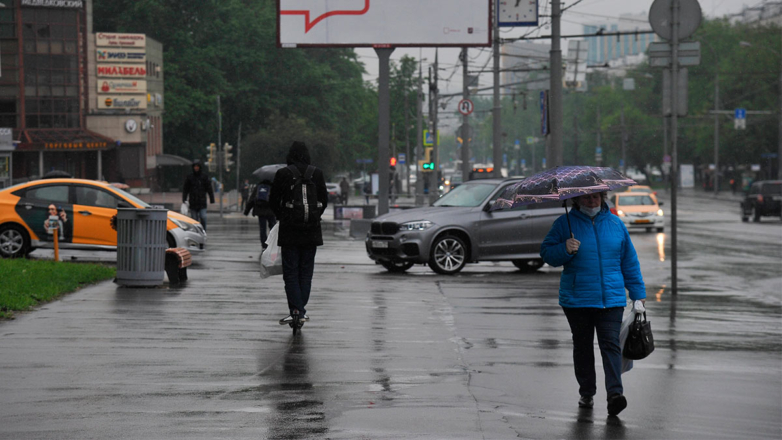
122,71
122,86
107,39
383,23
122,102
108,55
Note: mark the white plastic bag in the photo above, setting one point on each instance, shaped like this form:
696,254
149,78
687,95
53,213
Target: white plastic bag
638,307
185,209
271,259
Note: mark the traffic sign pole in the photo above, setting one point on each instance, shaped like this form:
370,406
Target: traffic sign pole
466,168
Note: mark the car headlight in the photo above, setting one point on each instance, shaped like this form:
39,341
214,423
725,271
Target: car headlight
620,213
660,212
184,225
416,226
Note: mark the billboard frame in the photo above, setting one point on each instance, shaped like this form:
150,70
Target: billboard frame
489,26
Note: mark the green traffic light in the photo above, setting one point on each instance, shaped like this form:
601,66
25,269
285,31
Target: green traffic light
428,166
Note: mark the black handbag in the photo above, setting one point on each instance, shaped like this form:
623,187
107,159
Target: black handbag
640,342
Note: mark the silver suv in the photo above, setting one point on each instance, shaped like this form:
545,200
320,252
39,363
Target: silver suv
459,229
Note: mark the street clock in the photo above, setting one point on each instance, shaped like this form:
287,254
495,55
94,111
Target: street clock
131,125
517,13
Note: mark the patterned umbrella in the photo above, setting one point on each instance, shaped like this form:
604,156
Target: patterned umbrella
561,183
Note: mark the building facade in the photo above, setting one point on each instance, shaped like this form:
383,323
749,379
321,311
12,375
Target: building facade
69,109
604,49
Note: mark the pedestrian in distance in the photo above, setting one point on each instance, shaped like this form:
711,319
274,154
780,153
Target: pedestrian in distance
298,199
367,191
344,190
258,203
245,193
197,187
599,263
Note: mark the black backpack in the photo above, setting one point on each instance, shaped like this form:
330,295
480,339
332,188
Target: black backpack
300,205
262,193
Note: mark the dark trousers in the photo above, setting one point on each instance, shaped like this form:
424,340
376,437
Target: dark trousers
199,215
264,220
298,264
583,324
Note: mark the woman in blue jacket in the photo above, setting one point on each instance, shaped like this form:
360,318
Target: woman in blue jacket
600,262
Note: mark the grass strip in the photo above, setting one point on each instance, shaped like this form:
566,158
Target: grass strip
27,283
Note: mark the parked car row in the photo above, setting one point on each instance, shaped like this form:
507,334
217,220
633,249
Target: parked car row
83,209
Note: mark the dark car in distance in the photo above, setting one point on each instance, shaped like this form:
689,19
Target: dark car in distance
764,199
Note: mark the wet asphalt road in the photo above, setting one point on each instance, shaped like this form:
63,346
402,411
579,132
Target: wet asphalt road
485,354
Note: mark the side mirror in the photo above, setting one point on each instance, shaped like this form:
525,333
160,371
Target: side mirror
488,206
660,203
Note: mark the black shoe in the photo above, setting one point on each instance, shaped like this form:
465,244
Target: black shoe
616,403
586,402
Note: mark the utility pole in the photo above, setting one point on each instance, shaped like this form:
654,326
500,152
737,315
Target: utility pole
674,138
497,109
408,159
575,114
599,162
717,131
554,152
220,154
384,109
624,142
434,184
238,165
465,119
419,175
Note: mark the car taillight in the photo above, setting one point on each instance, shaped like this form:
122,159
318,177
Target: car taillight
760,198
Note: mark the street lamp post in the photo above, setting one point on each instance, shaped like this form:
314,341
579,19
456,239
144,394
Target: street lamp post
716,119
779,140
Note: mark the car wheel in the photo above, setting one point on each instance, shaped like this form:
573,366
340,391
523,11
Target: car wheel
744,218
648,229
660,229
14,242
755,214
170,241
397,266
448,255
528,265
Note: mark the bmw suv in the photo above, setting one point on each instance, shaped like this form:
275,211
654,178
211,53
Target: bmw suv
459,229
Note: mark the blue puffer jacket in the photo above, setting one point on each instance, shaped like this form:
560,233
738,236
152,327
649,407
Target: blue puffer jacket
606,262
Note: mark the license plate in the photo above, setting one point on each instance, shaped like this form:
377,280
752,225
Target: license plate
379,244
643,221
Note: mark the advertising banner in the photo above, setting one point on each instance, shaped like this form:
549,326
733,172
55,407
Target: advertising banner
107,55
354,23
122,102
74,4
122,86
106,39
122,71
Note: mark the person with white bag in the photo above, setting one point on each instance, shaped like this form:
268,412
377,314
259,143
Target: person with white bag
298,198
599,262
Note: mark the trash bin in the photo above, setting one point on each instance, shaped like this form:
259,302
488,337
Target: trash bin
141,246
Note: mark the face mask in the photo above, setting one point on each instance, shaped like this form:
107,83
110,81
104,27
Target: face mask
591,212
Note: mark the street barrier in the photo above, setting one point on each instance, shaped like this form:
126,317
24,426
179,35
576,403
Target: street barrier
141,246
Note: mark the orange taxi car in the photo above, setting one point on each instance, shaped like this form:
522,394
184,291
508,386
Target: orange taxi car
639,210
83,209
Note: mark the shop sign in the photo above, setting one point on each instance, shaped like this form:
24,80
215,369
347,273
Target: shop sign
75,145
122,102
122,86
75,4
106,39
121,55
121,70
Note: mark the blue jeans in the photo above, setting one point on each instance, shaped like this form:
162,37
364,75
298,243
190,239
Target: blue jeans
199,215
263,220
583,323
298,264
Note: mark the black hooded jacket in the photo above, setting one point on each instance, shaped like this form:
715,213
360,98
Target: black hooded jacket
290,235
197,187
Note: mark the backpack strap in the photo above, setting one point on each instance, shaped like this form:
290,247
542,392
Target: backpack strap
295,171
310,171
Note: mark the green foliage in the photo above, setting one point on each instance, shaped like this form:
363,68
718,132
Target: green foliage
27,283
228,48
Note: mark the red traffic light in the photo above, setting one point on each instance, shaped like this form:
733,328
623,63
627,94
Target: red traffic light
392,162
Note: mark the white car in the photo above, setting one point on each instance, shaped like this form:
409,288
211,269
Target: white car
335,193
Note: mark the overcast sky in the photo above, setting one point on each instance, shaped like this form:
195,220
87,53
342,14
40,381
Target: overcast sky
585,12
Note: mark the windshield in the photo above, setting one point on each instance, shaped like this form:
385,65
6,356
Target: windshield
635,200
466,196
770,189
131,197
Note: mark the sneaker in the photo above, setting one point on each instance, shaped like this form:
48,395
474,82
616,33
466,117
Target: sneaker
304,318
286,320
586,402
616,403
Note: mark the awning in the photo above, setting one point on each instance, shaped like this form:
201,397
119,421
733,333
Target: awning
61,139
170,160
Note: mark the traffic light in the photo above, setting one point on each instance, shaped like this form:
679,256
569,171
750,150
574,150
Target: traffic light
392,162
427,165
211,157
227,156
